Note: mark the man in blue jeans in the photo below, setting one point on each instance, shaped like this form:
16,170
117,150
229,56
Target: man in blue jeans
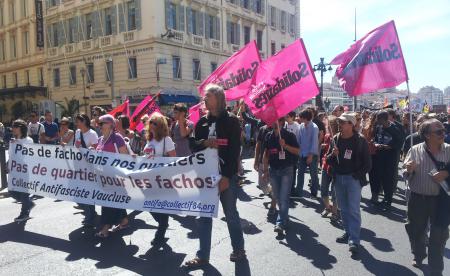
308,140
351,162
220,130
281,150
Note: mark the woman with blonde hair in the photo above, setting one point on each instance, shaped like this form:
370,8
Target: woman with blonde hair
159,144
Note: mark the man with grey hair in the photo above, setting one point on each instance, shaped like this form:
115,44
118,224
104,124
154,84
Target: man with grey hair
427,165
220,130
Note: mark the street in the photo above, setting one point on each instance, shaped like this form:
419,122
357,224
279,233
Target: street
53,243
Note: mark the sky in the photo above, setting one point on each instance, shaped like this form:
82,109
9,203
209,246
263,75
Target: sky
328,28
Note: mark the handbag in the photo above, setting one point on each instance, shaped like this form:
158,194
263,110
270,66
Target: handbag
443,205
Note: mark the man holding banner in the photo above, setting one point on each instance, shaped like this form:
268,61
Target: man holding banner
220,130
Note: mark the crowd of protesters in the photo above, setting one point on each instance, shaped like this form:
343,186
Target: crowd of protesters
348,150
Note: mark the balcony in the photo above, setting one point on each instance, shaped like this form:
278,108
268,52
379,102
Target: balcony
235,48
86,45
214,44
178,36
105,41
197,40
69,49
128,36
52,52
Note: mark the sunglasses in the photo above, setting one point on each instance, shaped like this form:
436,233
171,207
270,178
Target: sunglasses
103,123
15,126
154,123
64,124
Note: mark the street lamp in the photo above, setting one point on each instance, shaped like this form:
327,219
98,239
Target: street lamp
322,67
83,73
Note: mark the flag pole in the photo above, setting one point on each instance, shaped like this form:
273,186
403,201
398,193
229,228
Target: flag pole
410,115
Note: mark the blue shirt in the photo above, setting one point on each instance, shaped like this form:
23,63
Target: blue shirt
308,139
51,130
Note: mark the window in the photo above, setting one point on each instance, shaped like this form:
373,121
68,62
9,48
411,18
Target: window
13,46
195,20
1,14
273,48
246,34
53,3
292,24
41,76
16,80
27,77
89,26
108,21
26,42
258,6
212,27
283,20
175,16
245,4
176,67
4,81
259,39
72,32
131,15
12,12
233,31
24,8
109,70
55,38
132,68
72,75
196,70
213,66
56,77
90,72
2,50
273,17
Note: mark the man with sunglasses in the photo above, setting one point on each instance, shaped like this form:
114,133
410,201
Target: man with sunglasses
35,129
427,169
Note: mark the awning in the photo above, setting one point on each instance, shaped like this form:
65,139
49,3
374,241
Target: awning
23,90
165,99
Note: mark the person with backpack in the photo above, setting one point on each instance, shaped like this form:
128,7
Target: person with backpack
85,137
35,129
111,141
351,161
159,144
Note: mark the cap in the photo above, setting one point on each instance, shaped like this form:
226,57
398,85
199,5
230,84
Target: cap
348,117
108,118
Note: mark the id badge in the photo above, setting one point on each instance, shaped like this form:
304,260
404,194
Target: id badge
282,155
348,154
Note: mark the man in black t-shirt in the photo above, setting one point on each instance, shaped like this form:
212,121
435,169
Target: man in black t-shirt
280,151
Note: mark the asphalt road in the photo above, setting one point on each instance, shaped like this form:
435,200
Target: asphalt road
52,242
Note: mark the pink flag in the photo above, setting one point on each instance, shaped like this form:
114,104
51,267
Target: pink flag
122,109
282,83
235,74
196,112
145,107
372,63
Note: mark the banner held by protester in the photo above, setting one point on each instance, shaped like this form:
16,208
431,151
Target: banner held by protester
236,73
282,83
173,185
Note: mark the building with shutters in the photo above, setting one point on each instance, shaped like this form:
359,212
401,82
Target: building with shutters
104,51
22,58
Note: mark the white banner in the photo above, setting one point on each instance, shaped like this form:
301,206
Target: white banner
174,185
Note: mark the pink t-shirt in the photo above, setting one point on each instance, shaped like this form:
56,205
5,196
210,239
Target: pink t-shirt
109,145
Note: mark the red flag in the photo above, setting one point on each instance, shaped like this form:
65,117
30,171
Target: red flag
196,112
372,63
122,109
282,83
235,74
147,105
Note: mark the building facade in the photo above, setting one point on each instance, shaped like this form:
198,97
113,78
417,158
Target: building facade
101,52
334,93
431,95
22,58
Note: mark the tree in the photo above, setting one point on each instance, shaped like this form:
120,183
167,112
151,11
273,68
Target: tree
71,107
18,109
3,111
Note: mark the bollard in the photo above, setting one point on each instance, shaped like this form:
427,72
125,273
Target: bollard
3,166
